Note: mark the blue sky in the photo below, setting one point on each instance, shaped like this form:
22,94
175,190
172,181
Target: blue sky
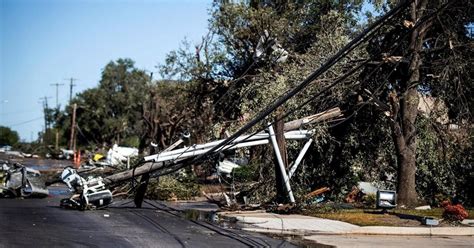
46,41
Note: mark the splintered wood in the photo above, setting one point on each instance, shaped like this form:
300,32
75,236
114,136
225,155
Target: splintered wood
319,117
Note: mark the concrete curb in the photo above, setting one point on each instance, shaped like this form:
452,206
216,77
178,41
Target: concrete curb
415,231
306,225
379,230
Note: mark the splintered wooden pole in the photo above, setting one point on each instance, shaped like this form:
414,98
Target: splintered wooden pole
319,117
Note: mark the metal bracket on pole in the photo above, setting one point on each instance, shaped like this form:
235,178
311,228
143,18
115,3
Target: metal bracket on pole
299,158
280,162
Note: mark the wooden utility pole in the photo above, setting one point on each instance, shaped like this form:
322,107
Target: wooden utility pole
72,140
57,109
57,93
71,86
44,101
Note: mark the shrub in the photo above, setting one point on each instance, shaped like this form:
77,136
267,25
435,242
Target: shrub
453,212
170,188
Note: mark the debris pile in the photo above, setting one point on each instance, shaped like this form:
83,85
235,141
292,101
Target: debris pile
91,193
17,180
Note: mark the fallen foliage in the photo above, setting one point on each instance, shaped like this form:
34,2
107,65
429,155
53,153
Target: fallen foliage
170,188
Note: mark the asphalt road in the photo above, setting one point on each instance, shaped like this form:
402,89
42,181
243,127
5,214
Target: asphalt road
42,223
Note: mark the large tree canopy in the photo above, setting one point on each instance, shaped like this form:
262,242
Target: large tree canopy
112,112
8,136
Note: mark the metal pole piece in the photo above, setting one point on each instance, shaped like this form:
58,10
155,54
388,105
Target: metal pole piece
280,162
195,152
300,134
299,158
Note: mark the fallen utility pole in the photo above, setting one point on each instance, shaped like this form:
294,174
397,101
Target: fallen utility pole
161,160
96,192
158,161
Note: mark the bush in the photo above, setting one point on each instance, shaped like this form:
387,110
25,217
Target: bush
369,200
246,173
170,188
454,212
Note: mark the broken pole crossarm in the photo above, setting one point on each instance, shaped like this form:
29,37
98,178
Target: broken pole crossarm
246,139
197,152
204,146
299,158
280,162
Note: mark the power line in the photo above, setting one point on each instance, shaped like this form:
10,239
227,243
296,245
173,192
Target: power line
346,75
24,122
370,31
19,112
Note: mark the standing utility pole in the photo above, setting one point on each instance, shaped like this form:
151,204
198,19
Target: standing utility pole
72,144
44,101
57,93
57,109
71,86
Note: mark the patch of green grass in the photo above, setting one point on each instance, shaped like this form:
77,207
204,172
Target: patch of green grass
372,217
358,218
434,212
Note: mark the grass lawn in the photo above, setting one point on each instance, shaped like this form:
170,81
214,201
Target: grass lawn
371,217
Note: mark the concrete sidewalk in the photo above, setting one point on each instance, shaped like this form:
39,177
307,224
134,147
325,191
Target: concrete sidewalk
307,225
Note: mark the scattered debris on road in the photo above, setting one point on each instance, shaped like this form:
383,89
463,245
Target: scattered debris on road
17,180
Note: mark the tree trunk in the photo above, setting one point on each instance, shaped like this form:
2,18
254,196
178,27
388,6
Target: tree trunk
405,111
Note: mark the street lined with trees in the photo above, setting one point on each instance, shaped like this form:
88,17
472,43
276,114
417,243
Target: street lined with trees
405,94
